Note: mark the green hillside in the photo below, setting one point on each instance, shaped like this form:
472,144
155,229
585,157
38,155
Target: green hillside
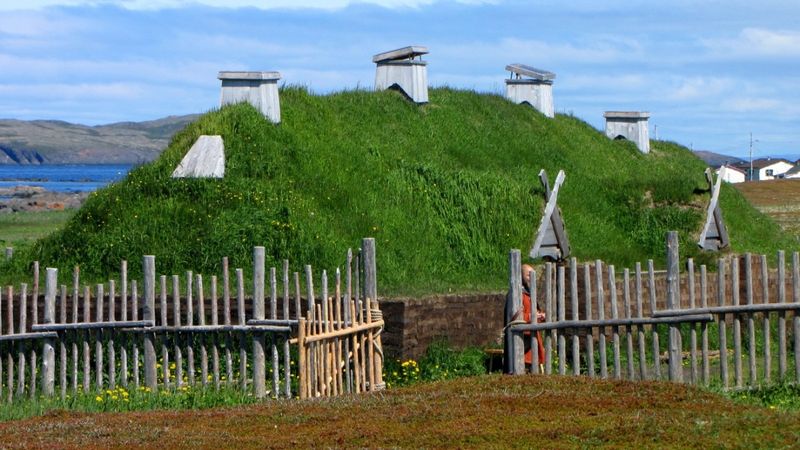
446,189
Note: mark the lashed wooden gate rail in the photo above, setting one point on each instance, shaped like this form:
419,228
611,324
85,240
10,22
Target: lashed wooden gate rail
588,322
105,345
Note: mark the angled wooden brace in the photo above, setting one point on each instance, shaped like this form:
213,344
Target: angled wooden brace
714,236
551,238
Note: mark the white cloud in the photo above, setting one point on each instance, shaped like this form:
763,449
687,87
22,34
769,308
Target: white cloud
755,42
695,88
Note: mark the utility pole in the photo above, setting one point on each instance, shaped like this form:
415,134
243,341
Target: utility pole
751,155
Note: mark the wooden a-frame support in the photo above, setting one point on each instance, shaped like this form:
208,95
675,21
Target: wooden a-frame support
551,237
714,236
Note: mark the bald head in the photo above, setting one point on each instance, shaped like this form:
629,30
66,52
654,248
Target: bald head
526,275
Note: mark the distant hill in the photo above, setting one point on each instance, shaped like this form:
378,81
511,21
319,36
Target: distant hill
56,142
445,188
716,159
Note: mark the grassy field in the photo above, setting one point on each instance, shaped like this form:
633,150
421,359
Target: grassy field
21,228
446,189
489,411
779,199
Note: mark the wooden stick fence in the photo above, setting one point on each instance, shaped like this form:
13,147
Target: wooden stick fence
178,334
687,322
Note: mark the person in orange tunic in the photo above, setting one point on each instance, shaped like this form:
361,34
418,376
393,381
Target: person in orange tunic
526,315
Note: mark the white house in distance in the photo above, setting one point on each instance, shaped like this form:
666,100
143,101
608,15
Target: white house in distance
765,168
732,174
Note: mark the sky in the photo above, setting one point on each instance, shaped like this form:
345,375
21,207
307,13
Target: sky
709,72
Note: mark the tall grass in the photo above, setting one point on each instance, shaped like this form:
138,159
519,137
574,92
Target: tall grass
446,189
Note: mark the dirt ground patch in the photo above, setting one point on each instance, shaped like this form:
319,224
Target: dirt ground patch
779,199
491,411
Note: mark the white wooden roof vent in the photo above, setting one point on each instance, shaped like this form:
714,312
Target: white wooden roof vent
405,70
260,89
630,125
532,86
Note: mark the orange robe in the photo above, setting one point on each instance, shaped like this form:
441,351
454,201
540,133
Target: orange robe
526,315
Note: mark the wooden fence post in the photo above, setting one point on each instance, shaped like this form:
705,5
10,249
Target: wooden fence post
148,313
259,379
48,350
371,293
302,362
515,342
673,287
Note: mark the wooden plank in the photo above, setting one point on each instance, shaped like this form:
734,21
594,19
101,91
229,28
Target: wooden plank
547,225
573,293
189,338
639,328
612,292
48,347
516,344
704,326
587,292
598,273
766,333
75,299
149,313
302,361
723,335
226,313
201,320
273,297
628,330
34,320
562,342
135,317
259,380
782,364
164,350
651,285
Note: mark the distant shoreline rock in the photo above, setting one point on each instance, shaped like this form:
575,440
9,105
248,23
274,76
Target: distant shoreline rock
37,199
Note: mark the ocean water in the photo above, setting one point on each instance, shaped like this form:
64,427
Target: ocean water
63,178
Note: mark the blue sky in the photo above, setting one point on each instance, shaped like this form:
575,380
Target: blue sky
710,72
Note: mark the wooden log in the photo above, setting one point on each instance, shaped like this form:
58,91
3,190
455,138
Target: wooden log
693,375
176,321
796,319
587,292
639,328
29,336
123,295
612,291
673,302
737,324
34,320
765,297
561,287
112,363
516,345
9,335
347,320
751,324
215,337
573,295
273,301
601,313
226,313
23,327
782,366
242,336
534,319
201,319
704,326
75,299
651,285
48,347
62,345
721,324
259,371
135,316
163,316
302,361
99,338
189,337
628,330
84,336
548,317
149,313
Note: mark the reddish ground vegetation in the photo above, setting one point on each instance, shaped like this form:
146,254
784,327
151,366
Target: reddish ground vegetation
779,199
487,411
